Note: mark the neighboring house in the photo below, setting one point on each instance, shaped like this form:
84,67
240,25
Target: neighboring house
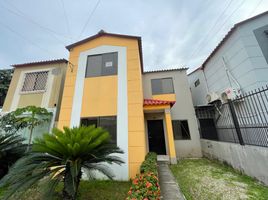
237,65
39,84
144,111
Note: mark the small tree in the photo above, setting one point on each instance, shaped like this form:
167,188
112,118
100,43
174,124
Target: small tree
9,123
31,117
60,157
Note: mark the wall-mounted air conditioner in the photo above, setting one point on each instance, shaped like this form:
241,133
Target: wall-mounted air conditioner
230,93
212,96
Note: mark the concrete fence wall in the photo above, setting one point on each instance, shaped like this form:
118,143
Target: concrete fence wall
251,160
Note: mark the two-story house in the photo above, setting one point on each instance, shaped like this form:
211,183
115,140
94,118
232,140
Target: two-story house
39,84
107,86
238,64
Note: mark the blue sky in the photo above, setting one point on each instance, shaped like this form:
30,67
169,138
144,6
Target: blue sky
175,33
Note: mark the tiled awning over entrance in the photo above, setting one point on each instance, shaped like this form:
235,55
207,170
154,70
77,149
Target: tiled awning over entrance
155,102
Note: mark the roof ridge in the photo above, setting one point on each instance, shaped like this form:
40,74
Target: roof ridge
167,70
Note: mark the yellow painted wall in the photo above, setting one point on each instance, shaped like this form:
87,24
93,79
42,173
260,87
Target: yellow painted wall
101,100
165,97
33,99
136,133
26,99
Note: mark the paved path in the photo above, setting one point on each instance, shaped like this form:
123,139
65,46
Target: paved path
168,185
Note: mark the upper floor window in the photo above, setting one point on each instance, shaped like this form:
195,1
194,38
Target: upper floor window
108,123
102,65
162,86
197,82
35,81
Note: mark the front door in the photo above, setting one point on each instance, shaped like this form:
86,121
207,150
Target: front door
156,137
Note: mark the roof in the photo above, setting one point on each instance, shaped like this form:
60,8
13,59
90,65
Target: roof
151,102
229,34
103,33
44,62
198,68
166,70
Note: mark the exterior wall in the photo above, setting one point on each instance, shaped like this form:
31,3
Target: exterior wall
244,59
101,100
198,92
50,98
182,110
119,95
251,160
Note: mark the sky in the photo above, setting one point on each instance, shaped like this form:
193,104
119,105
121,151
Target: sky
175,33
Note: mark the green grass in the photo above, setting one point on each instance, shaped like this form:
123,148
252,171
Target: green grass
88,190
202,179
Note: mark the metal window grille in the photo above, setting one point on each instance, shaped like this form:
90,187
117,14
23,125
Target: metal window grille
35,81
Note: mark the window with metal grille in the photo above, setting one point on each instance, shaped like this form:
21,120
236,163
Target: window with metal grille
35,81
181,130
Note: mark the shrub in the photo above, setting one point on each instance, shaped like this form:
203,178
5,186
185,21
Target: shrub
150,163
145,185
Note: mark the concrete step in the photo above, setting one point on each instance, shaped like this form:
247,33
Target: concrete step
163,159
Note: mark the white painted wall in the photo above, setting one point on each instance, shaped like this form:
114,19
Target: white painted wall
120,171
244,59
182,110
251,160
200,90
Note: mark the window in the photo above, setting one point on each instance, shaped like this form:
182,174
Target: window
35,81
102,65
261,35
197,82
181,130
108,123
162,86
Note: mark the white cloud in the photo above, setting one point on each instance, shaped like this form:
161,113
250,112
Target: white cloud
171,30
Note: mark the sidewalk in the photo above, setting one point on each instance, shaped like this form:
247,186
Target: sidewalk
168,185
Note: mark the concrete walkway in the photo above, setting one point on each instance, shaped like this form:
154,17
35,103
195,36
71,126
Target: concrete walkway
168,185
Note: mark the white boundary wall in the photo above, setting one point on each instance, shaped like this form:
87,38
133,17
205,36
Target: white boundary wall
251,160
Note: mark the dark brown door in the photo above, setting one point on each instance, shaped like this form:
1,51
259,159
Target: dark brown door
156,137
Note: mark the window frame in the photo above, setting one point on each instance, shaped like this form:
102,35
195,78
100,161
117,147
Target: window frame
197,83
97,118
174,135
162,92
34,91
102,67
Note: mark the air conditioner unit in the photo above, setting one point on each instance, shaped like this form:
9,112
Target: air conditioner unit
230,93
212,96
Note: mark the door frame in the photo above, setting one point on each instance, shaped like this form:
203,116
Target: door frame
156,116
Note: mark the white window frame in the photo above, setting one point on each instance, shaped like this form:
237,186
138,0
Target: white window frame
34,91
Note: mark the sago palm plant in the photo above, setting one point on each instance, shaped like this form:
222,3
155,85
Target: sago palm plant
11,149
60,157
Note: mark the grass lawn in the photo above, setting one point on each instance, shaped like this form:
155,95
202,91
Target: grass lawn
202,179
89,190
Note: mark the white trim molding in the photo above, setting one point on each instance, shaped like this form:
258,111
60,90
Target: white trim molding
46,92
121,172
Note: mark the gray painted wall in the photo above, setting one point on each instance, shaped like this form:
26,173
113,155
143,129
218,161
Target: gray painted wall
182,110
244,59
251,160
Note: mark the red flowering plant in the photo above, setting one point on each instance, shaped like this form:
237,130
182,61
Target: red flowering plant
145,186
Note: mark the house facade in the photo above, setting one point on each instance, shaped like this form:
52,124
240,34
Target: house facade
106,86
238,64
39,84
